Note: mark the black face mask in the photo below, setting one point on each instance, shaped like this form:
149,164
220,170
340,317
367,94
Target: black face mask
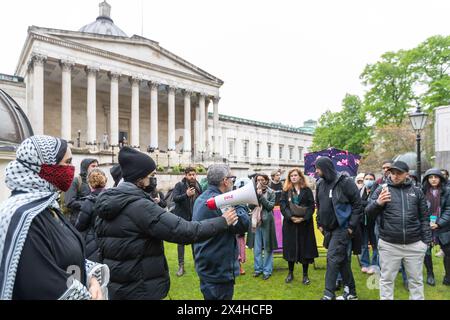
152,186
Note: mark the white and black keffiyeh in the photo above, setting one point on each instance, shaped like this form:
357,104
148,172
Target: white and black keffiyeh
31,196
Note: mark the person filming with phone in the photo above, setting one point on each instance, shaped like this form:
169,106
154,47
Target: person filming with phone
184,195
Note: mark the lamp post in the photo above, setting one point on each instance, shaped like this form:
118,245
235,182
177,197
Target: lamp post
168,161
418,121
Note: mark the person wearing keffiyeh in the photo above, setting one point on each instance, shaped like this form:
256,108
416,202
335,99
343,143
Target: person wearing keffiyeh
42,256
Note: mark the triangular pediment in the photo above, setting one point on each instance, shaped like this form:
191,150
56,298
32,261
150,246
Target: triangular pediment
136,48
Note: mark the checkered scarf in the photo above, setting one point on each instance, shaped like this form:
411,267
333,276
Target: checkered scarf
31,196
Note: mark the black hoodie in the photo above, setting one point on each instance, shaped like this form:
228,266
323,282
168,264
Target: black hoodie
75,196
130,232
343,191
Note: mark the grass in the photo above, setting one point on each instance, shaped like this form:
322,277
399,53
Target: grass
247,287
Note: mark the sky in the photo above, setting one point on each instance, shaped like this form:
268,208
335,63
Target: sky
282,61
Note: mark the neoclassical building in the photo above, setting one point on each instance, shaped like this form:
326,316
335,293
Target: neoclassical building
97,88
97,84
249,145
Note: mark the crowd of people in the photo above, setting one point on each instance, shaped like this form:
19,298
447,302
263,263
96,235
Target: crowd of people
70,237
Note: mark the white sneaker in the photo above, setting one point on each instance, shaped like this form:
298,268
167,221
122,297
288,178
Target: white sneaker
347,296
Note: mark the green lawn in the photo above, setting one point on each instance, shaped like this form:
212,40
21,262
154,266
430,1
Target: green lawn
247,287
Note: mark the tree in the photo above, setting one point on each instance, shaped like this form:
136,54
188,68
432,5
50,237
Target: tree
345,130
387,142
403,79
391,82
431,61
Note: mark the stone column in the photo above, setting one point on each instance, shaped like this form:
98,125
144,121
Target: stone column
171,119
114,108
29,87
134,112
197,127
66,100
201,133
91,106
187,121
38,94
216,147
207,142
154,115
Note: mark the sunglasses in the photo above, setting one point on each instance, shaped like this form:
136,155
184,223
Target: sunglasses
233,178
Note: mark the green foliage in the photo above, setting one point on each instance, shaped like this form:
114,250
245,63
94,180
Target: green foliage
391,94
347,129
178,169
403,79
160,168
200,169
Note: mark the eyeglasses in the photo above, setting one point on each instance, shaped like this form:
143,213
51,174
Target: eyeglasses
233,178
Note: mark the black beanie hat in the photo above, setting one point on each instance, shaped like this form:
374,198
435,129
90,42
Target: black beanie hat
135,164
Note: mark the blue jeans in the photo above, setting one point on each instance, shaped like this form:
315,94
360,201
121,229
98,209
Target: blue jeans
217,291
365,255
263,258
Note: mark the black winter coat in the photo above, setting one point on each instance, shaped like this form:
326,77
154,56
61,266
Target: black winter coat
405,219
75,196
184,204
443,232
299,240
130,231
85,224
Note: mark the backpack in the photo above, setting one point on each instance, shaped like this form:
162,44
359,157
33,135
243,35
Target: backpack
169,200
66,210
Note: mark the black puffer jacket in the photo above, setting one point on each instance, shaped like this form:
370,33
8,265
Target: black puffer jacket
85,224
130,232
405,219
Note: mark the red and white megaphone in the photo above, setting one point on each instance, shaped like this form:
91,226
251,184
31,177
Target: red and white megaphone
245,195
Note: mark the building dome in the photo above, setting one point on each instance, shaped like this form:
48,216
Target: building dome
104,24
15,125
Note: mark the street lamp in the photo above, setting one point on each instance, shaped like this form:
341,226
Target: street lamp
418,121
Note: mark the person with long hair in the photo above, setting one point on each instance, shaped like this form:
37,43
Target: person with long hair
438,201
297,207
264,238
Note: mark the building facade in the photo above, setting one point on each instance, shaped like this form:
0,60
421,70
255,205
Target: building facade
249,145
99,88
442,137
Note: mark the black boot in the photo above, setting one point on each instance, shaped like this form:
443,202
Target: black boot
289,277
446,281
306,280
429,266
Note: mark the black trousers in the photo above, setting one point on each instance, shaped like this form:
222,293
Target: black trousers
217,291
181,253
338,262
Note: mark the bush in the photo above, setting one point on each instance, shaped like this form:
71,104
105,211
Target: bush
178,169
160,168
200,169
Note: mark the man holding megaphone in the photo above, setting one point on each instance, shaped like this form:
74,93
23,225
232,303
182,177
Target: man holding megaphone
216,260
